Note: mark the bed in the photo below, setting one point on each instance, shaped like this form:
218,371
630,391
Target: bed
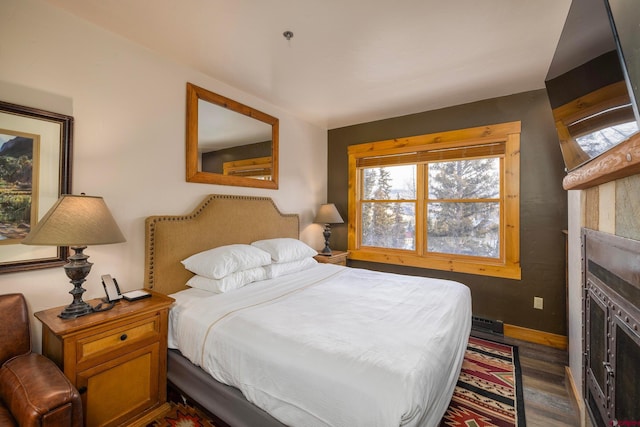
324,345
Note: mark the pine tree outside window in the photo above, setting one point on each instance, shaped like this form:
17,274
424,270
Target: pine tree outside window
463,207
388,210
445,201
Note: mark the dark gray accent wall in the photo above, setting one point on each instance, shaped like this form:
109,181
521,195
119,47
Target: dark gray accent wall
213,161
543,205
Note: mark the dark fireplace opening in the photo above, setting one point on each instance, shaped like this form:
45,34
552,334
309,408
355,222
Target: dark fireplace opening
611,319
627,390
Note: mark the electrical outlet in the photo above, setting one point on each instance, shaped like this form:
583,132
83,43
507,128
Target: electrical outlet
538,303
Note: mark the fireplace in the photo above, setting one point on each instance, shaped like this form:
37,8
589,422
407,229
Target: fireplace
611,334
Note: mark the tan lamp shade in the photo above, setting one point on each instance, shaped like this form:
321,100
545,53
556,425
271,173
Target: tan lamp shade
76,221
328,214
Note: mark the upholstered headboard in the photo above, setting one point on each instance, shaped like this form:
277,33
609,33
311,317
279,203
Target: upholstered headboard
219,220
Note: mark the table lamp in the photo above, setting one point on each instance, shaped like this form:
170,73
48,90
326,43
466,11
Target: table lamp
76,221
327,215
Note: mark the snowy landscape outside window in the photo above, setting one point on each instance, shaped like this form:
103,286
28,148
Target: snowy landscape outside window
444,205
463,207
389,207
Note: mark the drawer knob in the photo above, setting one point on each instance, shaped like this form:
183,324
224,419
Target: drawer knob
82,390
123,337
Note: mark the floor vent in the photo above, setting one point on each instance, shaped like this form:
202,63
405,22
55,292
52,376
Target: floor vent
487,325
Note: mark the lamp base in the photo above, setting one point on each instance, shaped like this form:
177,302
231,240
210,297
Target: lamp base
327,235
74,310
77,269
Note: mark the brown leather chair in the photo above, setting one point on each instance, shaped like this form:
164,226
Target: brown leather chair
33,390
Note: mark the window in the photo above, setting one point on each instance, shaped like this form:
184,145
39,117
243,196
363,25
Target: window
447,201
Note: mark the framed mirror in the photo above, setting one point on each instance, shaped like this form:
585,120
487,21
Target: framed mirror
35,169
229,143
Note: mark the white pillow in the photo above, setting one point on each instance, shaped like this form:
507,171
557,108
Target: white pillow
282,268
285,249
219,262
230,282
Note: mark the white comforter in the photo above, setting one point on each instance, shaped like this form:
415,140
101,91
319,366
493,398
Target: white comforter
332,346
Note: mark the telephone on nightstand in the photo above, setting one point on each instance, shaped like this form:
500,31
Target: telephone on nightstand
111,288
113,291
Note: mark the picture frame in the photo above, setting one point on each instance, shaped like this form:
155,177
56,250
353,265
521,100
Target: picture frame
35,169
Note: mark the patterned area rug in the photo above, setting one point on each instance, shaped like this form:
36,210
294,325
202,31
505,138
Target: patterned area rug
181,416
489,389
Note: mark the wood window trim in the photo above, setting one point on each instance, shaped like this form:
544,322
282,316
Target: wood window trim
257,166
508,133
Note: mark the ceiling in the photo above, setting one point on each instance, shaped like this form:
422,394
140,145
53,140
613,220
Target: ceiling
349,61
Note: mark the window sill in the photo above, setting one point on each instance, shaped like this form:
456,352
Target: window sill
459,266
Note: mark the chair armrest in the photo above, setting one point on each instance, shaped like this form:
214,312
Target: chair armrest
37,393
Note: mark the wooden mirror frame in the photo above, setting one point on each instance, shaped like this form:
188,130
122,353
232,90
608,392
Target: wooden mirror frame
195,93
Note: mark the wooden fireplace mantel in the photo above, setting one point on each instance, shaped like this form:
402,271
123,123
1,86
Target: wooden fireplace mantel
621,161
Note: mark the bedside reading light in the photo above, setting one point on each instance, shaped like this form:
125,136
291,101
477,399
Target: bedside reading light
327,215
76,221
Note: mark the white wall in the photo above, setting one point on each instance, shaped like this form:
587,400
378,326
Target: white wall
129,139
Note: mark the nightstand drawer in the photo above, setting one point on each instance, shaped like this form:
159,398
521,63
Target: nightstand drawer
118,338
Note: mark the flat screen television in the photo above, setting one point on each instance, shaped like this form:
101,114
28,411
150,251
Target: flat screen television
591,79
624,16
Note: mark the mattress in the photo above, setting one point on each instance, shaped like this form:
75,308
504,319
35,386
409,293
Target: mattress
332,346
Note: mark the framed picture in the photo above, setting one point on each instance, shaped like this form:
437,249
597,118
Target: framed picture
35,169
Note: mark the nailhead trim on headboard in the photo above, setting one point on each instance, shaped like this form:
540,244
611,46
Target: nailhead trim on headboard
290,221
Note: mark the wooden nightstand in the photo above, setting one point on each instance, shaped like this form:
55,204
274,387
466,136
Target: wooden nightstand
117,359
336,257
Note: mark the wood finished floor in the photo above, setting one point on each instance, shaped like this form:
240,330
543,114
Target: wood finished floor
546,397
